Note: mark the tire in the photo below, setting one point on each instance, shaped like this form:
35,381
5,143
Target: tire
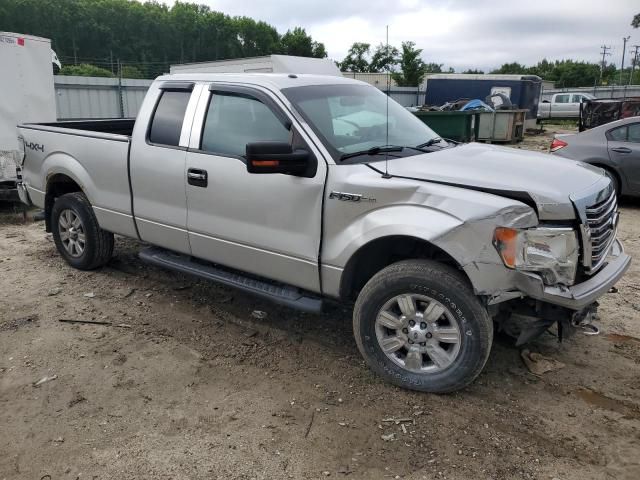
77,235
432,287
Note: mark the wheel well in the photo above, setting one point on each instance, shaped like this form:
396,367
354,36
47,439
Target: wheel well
58,185
380,253
612,171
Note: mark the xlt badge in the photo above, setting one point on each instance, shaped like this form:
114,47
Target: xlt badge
351,197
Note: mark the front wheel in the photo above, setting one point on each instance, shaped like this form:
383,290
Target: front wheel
418,324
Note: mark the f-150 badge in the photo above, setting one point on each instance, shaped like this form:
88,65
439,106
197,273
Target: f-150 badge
350,197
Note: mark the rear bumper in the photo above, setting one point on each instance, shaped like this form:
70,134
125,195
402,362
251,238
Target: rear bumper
582,294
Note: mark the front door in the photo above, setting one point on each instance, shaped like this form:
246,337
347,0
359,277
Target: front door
266,224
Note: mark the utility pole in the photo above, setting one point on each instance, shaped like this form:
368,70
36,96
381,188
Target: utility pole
624,48
633,61
604,62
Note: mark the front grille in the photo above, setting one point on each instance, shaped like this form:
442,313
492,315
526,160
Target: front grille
601,227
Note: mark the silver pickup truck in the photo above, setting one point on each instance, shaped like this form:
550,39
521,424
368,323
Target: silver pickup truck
564,105
305,189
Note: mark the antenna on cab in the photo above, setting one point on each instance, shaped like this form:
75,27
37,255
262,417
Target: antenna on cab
386,155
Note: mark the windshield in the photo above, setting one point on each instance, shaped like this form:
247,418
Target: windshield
353,118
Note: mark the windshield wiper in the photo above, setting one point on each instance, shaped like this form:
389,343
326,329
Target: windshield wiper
430,143
373,151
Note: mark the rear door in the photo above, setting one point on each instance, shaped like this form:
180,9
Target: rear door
561,106
624,150
573,108
266,224
158,156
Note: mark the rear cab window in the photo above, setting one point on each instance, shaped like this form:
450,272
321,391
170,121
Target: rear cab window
562,98
166,123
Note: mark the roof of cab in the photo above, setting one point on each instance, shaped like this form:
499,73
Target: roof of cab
274,80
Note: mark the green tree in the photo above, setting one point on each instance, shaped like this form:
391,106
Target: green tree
297,42
511,68
384,58
412,67
356,59
474,71
131,71
635,23
564,73
434,68
85,70
150,34
318,50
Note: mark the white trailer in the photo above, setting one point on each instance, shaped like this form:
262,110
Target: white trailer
264,64
26,85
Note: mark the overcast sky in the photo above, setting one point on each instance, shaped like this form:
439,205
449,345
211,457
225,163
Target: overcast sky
459,33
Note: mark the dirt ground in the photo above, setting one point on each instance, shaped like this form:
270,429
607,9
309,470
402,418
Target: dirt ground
183,382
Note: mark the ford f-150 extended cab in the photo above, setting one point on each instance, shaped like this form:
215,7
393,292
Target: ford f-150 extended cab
305,189
564,105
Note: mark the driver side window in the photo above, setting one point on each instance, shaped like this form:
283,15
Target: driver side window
233,120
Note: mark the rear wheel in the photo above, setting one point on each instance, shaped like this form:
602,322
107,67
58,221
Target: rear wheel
418,324
77,235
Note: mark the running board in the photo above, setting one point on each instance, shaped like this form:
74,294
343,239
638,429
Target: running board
276,292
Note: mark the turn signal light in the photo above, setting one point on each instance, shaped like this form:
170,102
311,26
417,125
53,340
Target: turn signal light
506,240
265,163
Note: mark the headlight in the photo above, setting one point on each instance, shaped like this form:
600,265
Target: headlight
552,252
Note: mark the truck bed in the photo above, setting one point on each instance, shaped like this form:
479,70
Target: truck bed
94,154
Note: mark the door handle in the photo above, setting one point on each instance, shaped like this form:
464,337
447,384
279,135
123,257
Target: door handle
621,150
197,177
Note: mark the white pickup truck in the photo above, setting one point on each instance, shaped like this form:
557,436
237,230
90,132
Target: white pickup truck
565,105
306,188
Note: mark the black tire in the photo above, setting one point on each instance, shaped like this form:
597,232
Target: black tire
98,244
450,289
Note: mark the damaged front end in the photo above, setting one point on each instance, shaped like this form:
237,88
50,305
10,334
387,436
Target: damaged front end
570,303
550,275
527,319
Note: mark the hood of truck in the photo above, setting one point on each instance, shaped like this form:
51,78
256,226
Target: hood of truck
531,177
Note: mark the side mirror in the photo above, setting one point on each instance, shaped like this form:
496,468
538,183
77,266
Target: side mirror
276,157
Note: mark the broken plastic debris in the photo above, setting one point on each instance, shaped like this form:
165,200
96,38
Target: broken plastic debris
538,363
45,380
